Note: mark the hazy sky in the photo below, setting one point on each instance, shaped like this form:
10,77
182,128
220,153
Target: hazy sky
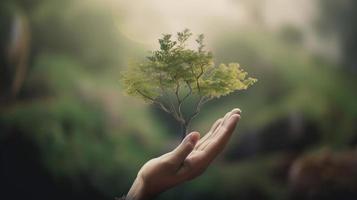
145,20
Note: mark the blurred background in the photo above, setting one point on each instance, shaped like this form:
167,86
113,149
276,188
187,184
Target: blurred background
67,131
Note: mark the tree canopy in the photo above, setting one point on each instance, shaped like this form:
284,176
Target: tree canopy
174,73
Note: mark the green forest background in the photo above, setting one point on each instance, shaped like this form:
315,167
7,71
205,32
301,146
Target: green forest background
67,131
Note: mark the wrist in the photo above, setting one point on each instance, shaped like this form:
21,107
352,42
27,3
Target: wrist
138,191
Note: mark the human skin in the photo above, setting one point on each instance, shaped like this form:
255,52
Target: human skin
187,161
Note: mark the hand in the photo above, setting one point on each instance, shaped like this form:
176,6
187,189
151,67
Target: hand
187,161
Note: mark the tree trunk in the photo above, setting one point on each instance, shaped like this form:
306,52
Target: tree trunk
184,129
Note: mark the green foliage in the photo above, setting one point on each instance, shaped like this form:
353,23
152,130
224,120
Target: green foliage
172,74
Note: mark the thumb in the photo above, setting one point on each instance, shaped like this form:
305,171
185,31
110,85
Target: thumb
185,148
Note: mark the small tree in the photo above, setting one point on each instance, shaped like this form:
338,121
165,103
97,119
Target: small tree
175,73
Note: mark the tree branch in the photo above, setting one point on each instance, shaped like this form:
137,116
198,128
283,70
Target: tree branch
179,102
198,77
200,103
162,106
173,109
184,98
189,93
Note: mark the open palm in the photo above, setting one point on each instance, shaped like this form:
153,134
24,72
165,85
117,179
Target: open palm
187,161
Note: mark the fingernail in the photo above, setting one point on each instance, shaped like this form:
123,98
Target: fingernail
193,138
236,110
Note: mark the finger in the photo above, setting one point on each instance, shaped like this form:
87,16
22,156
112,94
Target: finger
223,136
222,124
227,117
212,130
184,149
234,111
215,125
